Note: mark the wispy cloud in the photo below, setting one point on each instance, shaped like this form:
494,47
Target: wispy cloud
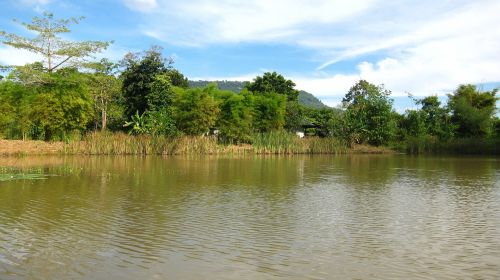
423,47
458,47
141,5
38,6
200,22
36,2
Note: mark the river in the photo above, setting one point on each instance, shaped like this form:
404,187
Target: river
258,217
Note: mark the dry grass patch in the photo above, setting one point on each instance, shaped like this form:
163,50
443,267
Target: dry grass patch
30,147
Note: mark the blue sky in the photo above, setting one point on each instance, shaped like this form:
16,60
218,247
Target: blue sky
421,47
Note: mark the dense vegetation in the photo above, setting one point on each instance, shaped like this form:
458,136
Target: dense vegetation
65,97
305,98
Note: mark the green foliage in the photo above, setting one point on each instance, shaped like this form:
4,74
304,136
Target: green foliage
274,83
137,124
294,116
106,91
156,123
473,111
196,110
177,79
56,51
328,122
63,105
269,111
236,117
305,99
369,114
30,75
160,122
161,95
140,73
15,107
431,120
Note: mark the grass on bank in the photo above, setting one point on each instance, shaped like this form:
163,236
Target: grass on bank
264,143
107,143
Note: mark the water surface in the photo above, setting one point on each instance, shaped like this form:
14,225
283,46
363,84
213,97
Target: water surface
300,217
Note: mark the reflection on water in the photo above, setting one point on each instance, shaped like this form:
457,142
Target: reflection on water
355,217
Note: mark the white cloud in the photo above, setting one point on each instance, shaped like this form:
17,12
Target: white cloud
423,47
38,6
141,5
199,22
36,2
431,54
12,56
459,47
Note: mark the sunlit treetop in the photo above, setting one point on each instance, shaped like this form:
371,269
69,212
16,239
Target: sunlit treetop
56,51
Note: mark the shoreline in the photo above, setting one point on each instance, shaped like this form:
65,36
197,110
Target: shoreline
40,148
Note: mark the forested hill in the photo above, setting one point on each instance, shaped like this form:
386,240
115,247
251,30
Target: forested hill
305,98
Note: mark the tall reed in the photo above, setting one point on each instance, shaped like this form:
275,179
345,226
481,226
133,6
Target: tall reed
281,142
106,143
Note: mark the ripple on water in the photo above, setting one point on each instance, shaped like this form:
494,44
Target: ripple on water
413,222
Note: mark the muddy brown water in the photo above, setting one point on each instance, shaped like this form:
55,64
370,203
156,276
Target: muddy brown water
299,217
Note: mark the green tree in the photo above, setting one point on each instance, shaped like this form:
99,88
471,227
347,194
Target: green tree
140,73
274,83
105,87
177,78
369,114
57,52
15,107
436,118
161,94
328,122
196,111
236,117
473,111
269,111
63,105
294,116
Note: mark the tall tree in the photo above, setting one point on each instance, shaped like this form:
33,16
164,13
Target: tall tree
274,83
140,73
104,87
177,78
236,116
196,110
63,105
437,119
369,113
473,111
269,111
56,51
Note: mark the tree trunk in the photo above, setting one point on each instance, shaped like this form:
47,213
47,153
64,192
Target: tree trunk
104,119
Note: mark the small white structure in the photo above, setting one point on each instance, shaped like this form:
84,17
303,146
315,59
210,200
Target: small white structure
300,134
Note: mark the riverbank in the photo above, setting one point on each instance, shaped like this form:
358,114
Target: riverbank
123,144
30,147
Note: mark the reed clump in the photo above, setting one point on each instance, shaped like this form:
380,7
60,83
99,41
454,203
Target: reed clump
280,142
105,143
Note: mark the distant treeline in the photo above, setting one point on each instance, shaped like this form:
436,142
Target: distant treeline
65,96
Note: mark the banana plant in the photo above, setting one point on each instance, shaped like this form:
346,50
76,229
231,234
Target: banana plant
137,124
